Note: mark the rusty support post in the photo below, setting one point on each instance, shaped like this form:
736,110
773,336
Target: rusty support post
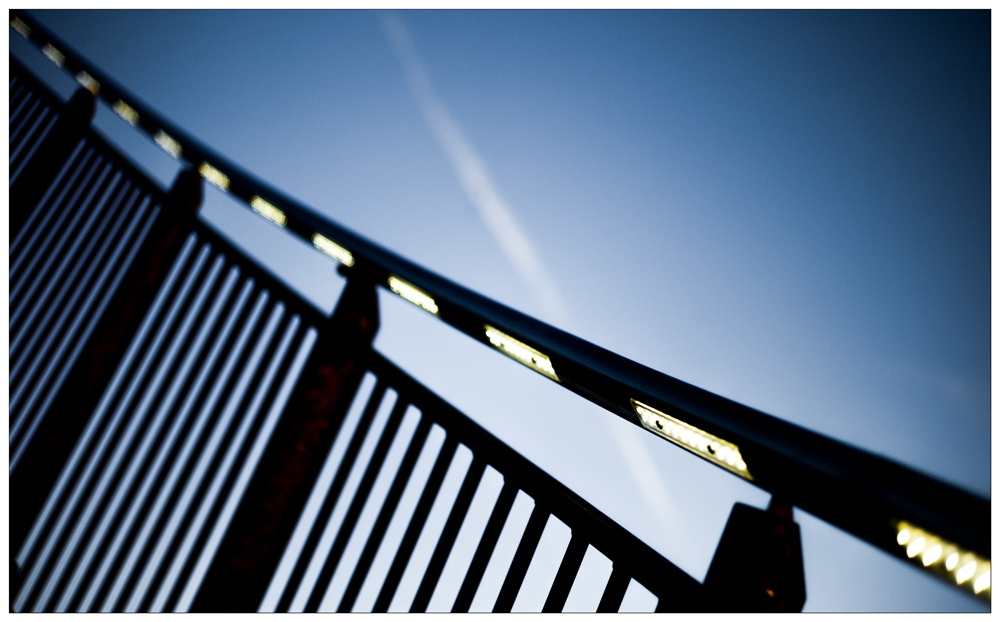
758,564
41,170
66,418
276,496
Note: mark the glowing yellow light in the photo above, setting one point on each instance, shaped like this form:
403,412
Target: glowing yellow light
88,82
268,211
521,352
918,541
167,143
708,446
126,112
53,54
333,249
915,548
21,28
414,295
966,572
982,582
932,555
214,176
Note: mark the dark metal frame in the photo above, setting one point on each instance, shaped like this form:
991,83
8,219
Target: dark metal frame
631,558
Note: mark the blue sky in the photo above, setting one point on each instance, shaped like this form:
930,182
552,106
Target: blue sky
790,209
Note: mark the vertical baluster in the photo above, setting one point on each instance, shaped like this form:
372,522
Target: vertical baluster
242,371
279,490
38,173
522,558
249,418
357,505
566,574
331,498
384,516
448,535
409,541
47,452
485,549
614,592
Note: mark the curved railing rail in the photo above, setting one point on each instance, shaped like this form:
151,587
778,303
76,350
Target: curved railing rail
866,495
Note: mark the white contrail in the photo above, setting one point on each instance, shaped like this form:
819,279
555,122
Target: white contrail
499,219
476,182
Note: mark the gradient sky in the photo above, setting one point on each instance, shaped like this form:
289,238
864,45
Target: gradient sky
791,209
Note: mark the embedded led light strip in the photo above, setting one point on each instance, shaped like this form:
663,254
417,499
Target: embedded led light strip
414,295
214,176
521,352
708,446
88,82
167,143
53,54
268,211
126,112
944,558
333,249
21,28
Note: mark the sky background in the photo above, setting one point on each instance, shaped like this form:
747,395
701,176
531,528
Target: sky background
790,209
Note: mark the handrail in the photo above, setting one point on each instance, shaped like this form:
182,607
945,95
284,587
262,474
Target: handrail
864,494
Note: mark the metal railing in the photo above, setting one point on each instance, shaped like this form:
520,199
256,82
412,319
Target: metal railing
631,558
888,505
137,509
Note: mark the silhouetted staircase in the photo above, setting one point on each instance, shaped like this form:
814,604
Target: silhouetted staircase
184,427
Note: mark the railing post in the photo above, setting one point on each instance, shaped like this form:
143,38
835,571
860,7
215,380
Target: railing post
64,421
41,170
758,564
276,496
